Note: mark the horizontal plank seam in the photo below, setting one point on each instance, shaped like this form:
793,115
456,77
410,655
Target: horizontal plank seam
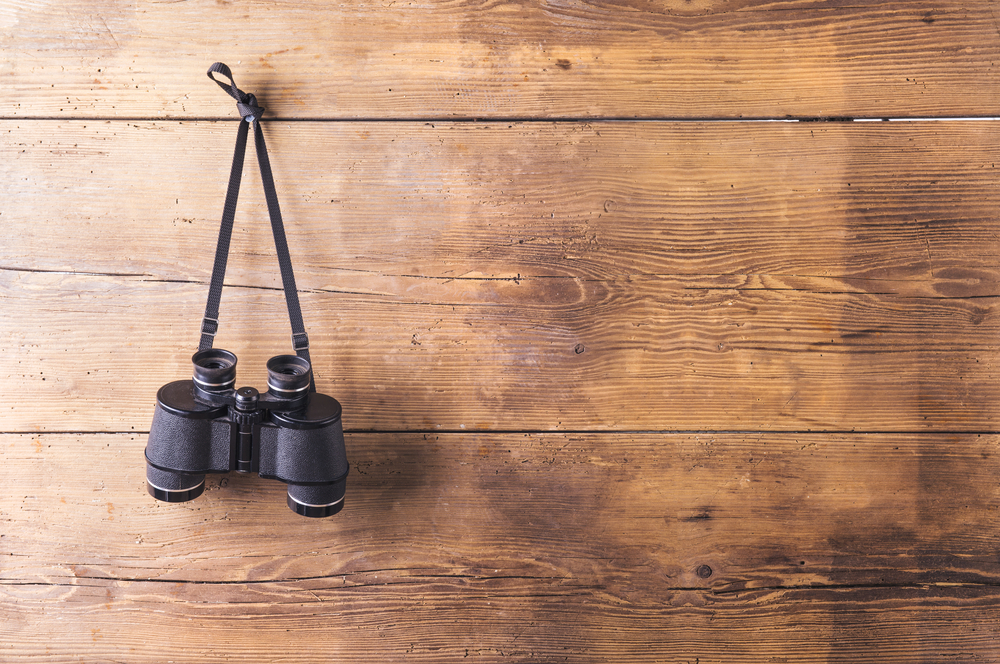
584,432
401,581
14,268
517,279
515,119
259,582
682,432
860,586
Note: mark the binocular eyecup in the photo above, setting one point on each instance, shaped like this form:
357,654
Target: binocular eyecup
290,433
214,370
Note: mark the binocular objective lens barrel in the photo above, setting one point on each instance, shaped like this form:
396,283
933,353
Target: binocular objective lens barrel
306,450
186,439
214,369
173,487
317,501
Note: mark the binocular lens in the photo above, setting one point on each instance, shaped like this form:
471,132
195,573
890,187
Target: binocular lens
288,375
317,501
214,369
173,487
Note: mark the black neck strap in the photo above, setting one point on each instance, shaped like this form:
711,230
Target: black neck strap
250,113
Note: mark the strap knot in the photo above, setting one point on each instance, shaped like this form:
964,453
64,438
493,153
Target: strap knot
248,108
246,104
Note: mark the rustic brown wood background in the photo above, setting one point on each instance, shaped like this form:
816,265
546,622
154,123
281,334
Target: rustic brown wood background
628,373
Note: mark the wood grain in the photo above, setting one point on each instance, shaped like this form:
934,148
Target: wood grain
452,620
726,277
907,208
648,355
538,547
624,59
618,385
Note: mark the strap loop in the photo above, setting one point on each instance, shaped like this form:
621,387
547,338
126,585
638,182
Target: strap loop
245,103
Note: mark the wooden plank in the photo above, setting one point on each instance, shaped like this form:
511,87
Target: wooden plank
907,208
314,59
88,354
454,619
590,547
760,509
826,278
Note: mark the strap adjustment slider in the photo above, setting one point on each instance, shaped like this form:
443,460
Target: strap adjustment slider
209,326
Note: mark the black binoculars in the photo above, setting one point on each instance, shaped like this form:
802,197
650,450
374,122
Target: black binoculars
290,433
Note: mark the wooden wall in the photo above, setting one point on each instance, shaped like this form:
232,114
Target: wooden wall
627,374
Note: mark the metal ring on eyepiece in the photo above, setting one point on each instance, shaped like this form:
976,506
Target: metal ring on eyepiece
204,384
272,386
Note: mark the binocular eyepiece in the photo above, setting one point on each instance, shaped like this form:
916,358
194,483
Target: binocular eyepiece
289,433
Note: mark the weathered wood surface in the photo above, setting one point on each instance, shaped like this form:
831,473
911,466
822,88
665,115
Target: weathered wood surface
615,390
547,547
478,620
909,207
639,355
733,277
634,58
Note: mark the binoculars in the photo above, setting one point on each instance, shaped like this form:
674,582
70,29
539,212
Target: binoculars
289,433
